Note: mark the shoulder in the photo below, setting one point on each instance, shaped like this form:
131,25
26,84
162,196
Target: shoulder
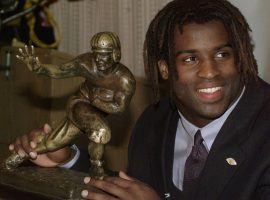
259,92
147,129
155,113
254,111
146,141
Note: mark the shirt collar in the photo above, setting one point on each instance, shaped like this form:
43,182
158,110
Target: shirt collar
210,131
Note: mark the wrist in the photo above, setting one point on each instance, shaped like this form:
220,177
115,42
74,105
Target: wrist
70,156
72,159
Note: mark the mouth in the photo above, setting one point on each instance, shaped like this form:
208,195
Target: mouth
209,90
211,94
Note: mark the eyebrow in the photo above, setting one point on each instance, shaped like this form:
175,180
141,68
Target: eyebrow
224,46
194,50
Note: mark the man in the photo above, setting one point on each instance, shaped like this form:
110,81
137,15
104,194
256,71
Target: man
209,139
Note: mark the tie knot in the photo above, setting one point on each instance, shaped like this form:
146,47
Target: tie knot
198,138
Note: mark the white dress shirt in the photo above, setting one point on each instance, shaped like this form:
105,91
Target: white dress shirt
184,140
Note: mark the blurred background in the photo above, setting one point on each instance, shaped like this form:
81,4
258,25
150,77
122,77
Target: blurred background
73,22
79,20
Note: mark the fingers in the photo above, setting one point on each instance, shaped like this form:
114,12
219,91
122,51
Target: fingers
114,189
22,146
19,57
96,196
125,176
11,147
27,53
32,50
123,180
120,188
18,148
26,50
47,128
22,53
119,181
25,145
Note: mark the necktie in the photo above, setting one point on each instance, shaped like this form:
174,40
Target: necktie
194,163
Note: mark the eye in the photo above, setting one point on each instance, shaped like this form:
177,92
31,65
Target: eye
222,54
190,59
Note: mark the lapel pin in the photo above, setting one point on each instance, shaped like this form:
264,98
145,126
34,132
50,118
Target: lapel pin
231,161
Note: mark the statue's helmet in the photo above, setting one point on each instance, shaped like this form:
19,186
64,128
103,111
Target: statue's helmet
107,42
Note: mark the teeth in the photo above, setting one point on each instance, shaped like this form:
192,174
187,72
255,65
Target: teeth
210,90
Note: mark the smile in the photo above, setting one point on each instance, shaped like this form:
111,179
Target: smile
209,90
211,94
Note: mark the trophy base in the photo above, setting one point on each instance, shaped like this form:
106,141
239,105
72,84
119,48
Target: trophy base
42,183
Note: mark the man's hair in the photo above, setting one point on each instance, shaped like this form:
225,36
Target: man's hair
160,35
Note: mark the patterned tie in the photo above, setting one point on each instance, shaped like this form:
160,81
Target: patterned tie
194,163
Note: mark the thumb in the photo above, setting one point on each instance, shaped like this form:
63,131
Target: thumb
47,128
125,176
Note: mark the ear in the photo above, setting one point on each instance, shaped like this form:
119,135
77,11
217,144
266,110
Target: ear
163,69
116,55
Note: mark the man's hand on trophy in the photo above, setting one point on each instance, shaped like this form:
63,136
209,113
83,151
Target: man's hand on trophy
29,58
122,187
25,146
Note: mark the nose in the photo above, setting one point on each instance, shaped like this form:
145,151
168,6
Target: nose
208,69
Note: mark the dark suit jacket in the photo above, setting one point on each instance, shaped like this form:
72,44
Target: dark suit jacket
245,137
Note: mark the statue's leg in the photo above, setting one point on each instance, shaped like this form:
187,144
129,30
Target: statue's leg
99,136
63,135
96,151
93,123
60,137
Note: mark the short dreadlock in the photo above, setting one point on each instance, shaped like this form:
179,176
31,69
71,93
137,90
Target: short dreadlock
160,35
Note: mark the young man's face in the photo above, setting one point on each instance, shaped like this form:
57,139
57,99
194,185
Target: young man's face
208,81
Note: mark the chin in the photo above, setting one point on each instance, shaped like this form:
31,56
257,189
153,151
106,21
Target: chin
212,113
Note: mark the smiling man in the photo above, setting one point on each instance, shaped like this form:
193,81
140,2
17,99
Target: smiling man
209,138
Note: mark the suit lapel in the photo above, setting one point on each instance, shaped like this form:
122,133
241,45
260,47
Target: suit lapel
219,169
164,130
226,154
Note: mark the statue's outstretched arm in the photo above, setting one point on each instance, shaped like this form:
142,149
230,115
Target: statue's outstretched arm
69,69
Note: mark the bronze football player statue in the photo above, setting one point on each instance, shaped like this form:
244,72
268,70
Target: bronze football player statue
107,89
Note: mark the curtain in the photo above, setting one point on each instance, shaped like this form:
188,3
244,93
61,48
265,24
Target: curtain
80,20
